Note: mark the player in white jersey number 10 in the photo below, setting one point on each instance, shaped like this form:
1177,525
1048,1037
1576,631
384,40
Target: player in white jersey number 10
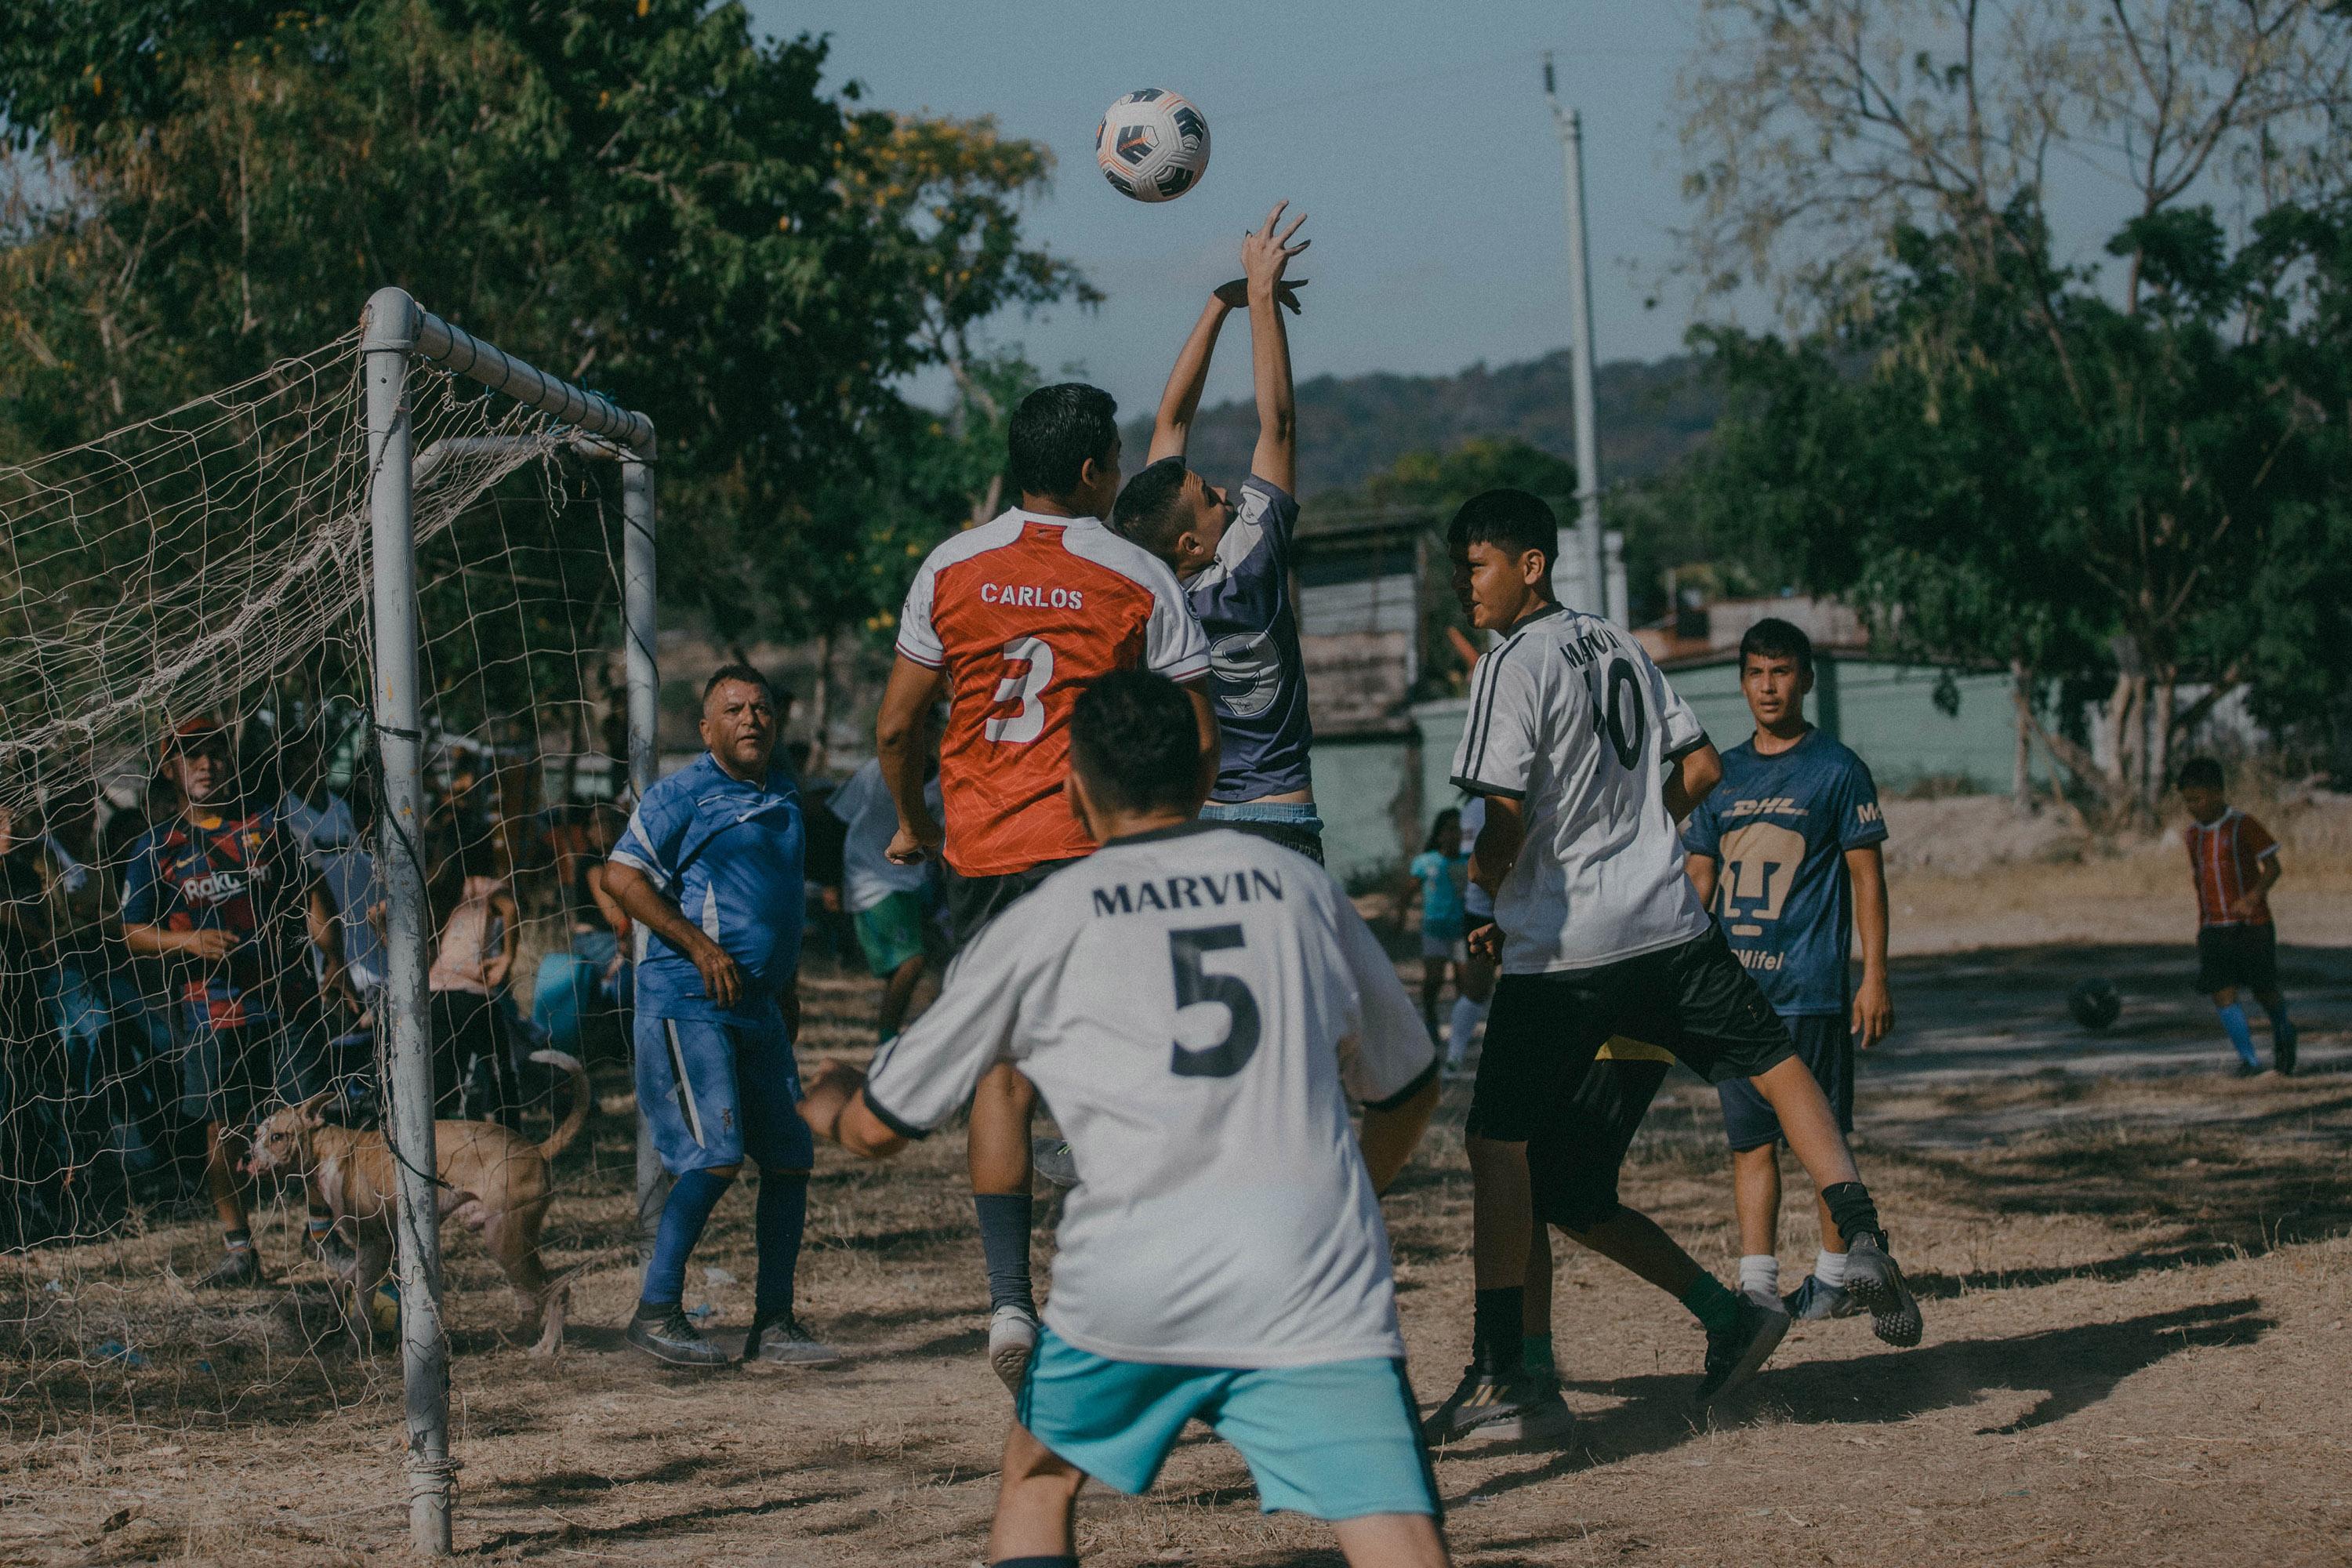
1198,1007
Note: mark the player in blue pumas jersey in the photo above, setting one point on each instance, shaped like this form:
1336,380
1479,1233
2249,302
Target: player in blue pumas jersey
1232,552
1786,854
711,872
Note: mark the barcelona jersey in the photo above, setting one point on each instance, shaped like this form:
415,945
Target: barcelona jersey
2226,856
241,872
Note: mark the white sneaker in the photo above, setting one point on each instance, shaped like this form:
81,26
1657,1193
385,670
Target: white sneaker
1011,1339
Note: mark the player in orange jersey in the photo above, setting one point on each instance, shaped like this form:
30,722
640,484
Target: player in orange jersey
1009,621
2235,861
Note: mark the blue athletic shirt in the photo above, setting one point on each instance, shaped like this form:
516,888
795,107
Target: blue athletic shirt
1442,880
1779,827
730,855
1257,681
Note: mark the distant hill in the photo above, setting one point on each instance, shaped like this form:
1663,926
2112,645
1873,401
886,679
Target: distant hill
1352,427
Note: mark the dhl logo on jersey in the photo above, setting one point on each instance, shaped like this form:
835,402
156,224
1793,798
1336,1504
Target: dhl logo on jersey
1775,805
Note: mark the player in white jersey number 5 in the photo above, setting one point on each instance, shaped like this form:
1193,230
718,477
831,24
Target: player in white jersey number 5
1197,1006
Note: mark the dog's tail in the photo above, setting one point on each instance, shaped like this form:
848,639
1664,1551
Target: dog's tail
581,1102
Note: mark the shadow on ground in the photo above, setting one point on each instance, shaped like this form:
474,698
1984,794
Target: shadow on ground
2072,1369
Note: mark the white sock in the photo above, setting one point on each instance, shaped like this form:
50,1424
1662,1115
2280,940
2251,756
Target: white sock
1759,1274
1467,1016
1829,1268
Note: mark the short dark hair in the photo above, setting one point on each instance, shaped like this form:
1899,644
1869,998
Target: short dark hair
1147,511
1773,637
1054,432
1511,520
744,673
2198,772
1135,739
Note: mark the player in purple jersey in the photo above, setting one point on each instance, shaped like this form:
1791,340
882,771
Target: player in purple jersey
1231,551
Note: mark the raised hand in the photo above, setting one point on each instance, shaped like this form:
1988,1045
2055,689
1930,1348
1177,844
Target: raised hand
1265,253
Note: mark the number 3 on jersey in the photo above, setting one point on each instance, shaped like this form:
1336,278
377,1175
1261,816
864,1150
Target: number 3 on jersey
1023,686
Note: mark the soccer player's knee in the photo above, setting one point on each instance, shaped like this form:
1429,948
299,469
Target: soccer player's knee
724,1173
1580,1208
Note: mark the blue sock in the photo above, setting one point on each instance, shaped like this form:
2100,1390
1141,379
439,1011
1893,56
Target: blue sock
695,1194
783,1214
1005,1222
2281,1027
2233,1022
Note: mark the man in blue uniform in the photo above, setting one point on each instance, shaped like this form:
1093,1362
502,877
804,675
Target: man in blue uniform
711,871
1232,555
1785,852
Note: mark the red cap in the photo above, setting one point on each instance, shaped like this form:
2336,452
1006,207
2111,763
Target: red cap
193,735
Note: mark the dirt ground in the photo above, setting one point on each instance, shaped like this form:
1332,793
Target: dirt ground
2136,1270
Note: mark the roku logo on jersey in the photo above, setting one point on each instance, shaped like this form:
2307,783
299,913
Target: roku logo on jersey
213,888
1021,596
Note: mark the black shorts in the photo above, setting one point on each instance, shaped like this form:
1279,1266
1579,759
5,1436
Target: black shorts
2232,957
974,902
1572,1163
1825,1045
1694,1000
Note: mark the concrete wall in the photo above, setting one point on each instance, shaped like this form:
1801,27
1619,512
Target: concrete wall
1366,790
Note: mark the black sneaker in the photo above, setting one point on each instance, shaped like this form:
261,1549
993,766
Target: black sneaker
668,1335
1734,1356
785,1343
1813,1300
2249,1070
1517,1404
238,1269
1873,1279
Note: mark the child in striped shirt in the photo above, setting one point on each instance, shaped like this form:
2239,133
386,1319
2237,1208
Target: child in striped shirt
2235,862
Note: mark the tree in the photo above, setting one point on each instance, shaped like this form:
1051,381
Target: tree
668,202
2141,497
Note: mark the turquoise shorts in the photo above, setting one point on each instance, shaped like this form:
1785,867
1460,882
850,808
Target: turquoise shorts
1336,1440
890,932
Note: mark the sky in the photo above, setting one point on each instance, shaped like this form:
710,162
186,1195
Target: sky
1415,136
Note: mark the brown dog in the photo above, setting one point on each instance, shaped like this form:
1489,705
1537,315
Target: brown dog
489,1178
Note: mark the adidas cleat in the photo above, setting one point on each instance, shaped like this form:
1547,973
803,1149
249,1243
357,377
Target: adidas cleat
1518,1404
1734,1356
1011,1340
1876,1286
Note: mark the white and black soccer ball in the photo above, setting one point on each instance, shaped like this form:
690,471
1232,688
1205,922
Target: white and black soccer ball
1153,145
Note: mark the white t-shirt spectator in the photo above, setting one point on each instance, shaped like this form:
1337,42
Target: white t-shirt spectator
868,875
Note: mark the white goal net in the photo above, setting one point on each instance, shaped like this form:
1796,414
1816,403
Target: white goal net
192,926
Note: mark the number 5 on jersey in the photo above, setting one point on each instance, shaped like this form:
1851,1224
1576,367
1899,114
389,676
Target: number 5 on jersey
1024,686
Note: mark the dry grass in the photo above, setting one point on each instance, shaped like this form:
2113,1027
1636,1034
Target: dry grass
2137,1351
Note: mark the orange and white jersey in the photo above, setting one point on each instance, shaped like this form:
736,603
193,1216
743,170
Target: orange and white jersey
1021,613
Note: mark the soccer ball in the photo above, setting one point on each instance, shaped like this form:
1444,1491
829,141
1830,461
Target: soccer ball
1153,145
2094,1003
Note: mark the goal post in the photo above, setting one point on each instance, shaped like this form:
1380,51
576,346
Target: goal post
397,329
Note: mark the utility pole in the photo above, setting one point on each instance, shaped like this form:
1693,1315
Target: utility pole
1587,544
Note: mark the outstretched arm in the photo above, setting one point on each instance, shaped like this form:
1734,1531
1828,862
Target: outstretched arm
1264,258
1171,429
